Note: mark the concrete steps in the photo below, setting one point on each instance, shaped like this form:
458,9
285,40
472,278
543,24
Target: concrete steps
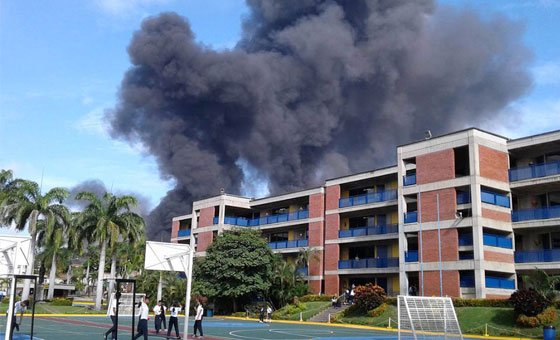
324,315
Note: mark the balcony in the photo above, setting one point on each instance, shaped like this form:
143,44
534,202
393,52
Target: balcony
495,199
302,271
255,222
288,244
535,256
381,262
367,198
534,171
497,241
411,256
366,231
535,214
465,240
466,256
411,217
463,197
409,180
184,233
497,282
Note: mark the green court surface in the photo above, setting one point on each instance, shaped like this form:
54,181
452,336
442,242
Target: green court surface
93,327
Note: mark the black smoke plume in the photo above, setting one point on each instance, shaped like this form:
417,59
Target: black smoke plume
314,89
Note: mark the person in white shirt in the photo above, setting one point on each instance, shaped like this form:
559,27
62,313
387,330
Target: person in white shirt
143,321
198,319
157,313
269,313
173,321
112,313
19,307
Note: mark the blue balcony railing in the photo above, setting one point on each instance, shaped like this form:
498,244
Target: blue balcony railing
497,241
184,233
534,171
409,179
367,198
498,282
535,214
535,256
373,230
495,198
466,281
302,271
463,197
288,244
465,240
411,256
380,262
255,222
411,217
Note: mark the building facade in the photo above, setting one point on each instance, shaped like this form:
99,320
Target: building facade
465,214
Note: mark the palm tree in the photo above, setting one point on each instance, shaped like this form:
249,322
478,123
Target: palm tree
27,205
6,180
105,221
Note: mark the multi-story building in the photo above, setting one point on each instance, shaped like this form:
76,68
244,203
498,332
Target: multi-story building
463,214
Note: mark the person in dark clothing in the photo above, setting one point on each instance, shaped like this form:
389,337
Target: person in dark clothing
173,321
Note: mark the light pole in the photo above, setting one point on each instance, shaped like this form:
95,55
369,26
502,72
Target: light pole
439,249
420,240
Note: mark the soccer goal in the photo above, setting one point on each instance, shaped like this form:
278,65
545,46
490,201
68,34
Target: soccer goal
427,318
125,303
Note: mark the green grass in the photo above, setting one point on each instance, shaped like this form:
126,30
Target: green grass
312,309
501,321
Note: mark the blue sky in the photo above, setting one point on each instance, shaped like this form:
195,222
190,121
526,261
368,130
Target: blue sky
61,63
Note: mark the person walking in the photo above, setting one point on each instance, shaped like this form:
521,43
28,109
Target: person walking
163,310
157,316
261,315
19,307
198,319
268,313
143,321
112,313
173,321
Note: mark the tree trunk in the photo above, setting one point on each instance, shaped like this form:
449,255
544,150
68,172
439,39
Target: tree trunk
31,254
52,278
100,274
113,274
87,279
69,274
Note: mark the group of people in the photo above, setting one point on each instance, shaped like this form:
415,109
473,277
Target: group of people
268,311
160,311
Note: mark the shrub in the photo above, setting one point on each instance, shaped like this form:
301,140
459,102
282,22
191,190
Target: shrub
547,317
378,311
315,298
61,302
391,301
368,297
481,302
528,302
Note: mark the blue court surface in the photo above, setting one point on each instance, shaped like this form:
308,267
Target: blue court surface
94,327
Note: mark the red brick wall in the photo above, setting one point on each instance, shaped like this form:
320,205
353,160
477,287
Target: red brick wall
316,205
493,164
175,229
449,245
204,240
450,280
332,225
314,286
498,257
332,196
331,256
316,234
332,285
496,215
447,205
435,166
206,217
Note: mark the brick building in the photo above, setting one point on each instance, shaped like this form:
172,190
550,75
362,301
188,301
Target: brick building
464,214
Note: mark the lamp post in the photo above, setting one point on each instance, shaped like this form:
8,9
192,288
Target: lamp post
439,249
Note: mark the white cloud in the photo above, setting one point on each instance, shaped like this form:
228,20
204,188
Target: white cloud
121,7
93,123
547,74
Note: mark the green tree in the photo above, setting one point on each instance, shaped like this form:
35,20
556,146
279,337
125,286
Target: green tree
26,206
6,178
105,221
238,265
542,283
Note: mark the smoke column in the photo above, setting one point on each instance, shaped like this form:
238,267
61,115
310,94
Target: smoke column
314,89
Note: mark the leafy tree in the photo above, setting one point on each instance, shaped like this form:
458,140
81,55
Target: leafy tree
369,297
6,178
106,221
542,283
238,265
25,206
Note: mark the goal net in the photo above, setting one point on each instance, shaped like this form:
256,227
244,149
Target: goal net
125,303
427,318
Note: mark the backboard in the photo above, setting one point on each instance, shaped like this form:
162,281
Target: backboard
14,254
166,256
